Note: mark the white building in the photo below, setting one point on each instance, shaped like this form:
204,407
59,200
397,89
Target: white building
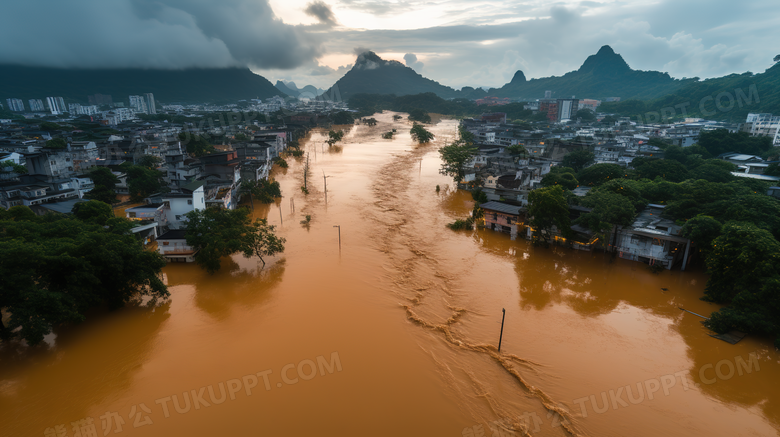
36,105
56,105
15,105
150,103
188,198
138,104
763,125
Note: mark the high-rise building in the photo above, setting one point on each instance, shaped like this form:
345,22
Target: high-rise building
74,108
150,103
15,105
56,105
138,104
567,108
36,105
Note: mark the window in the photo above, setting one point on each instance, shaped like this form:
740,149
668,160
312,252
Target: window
189,201
634,239
165,243
131,214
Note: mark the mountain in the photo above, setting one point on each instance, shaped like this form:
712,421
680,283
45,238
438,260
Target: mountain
374,75
602,75
737,94
169,86
292,90
281,86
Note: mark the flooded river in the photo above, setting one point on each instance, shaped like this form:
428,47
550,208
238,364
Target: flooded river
396,332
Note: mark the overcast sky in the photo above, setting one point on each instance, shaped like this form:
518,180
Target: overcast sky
458,43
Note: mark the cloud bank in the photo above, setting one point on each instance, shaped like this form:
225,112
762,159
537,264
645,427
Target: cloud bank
167,34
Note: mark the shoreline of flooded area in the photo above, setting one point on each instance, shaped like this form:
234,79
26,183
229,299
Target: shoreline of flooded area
412,311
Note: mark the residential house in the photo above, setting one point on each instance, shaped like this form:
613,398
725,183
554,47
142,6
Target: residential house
173,246
503,217
653,239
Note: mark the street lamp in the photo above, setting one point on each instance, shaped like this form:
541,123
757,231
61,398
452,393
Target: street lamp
339,226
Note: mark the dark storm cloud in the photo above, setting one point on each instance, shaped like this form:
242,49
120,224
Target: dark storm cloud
151,34
322,12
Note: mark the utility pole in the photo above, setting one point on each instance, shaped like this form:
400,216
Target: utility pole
325,179
306,173
500,337
339,226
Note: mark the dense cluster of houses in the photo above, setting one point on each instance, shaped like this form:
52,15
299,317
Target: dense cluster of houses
58,178
507,179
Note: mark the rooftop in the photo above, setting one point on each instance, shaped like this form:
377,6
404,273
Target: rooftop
177,234
501,207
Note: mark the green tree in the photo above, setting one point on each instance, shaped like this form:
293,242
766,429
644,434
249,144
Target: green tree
197,146
714,170
56,143
565,179
335,136
105,185
465,135
702,230
598,174
609,120
150,161
93,211
741,256
420,134
578,159
420,115
755,310
55,268
143,181
721,141
343,117
664,168
263,190
548,209
241,137
586,115
218,233
370,121
454,157
262,241
8,167
609,210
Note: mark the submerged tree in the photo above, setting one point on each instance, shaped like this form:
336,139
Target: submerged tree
420,134
55,268
218,233
334,137
262,241
454,157
263,190
548,209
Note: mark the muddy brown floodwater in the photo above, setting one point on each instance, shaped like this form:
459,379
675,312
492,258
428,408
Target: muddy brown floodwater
396,333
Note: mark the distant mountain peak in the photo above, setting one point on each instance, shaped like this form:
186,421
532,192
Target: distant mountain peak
605,62
369,60
519,77
605,50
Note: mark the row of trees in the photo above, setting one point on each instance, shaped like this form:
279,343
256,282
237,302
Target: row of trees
56,267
